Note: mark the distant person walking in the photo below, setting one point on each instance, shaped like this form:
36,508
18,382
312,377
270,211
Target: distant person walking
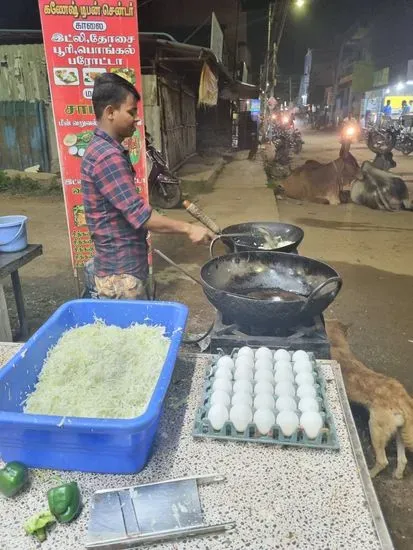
387,110
405,108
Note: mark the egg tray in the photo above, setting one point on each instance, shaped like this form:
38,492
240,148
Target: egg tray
326,439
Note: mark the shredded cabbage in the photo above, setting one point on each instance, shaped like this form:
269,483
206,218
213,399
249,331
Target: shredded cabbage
100,371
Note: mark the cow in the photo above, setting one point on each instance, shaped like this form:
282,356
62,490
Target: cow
379,190
322,183
384,161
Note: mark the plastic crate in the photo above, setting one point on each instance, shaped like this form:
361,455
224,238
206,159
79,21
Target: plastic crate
84,444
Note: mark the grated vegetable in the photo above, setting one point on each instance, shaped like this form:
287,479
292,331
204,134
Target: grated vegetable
100,371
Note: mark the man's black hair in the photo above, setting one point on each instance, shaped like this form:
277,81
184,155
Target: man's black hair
111,89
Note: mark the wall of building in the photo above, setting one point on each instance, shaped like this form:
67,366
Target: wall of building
23,73
23,80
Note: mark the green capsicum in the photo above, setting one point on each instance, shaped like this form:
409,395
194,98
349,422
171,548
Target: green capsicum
65,502
13,477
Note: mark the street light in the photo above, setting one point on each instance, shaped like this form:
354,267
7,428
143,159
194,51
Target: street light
300,3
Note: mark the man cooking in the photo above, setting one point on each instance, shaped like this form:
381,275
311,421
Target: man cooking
117,216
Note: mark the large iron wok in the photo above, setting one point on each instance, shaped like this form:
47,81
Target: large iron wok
291,289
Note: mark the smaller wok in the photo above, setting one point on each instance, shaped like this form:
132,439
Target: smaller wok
269,289
290,236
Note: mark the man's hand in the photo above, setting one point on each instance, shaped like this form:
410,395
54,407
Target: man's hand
199,235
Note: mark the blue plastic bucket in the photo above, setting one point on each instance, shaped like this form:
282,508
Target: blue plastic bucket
13,233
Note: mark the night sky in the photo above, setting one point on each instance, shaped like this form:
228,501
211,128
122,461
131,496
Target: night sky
316,26
319,24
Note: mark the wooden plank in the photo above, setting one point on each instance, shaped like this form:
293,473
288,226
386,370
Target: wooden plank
5,328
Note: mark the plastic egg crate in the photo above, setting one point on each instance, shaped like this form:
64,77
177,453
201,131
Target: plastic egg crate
326,437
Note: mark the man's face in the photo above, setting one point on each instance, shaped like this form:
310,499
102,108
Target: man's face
125,117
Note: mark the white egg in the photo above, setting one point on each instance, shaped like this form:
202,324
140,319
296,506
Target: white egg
303,366
222,384
264,401
220,396
263,387
288,422
246,350
284,388
264,364
242,398
263,353
263,375
244,373
300,354
243,386
306,390
223,372
225,361
308,404
218,415
286,403
240,416
285,365
282,355
304,378
311,422
264,419
283,376
244,361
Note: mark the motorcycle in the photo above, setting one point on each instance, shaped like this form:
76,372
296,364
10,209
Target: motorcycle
164,186
349,135
382,139
404,142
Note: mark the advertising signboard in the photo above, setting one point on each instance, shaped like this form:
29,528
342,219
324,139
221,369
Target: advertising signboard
83,39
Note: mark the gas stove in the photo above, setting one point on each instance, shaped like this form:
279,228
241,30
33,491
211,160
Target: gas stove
309,337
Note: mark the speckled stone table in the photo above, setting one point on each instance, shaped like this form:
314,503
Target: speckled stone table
280,498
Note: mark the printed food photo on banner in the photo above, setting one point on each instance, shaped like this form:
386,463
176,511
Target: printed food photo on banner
66,77
77,143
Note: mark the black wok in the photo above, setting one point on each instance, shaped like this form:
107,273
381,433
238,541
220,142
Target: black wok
254,237
294,288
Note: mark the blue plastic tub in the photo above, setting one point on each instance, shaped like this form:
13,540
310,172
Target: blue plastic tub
84,444
13,233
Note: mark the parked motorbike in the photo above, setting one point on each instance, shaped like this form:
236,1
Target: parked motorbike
382,139
164,186
404,142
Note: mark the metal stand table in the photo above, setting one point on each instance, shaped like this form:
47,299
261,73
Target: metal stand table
279,498
10,263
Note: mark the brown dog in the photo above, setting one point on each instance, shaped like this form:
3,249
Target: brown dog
389,404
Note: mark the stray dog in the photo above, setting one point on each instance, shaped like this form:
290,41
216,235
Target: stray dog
389,404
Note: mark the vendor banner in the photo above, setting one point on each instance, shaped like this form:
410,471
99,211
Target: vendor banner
83,39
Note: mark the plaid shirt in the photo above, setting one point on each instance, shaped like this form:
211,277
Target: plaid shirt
115,213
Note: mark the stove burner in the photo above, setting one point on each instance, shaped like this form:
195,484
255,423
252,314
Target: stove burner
310,337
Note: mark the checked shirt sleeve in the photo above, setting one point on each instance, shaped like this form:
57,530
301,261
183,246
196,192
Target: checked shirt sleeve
114,178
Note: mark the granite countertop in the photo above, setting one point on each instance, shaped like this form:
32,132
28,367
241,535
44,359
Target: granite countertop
280,498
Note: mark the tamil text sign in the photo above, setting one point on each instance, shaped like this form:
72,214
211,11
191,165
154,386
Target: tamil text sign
83,39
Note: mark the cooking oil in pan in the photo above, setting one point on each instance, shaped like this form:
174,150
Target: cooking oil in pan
274,295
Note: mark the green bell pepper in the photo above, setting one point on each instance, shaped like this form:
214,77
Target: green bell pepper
13,477
65,502
37,524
